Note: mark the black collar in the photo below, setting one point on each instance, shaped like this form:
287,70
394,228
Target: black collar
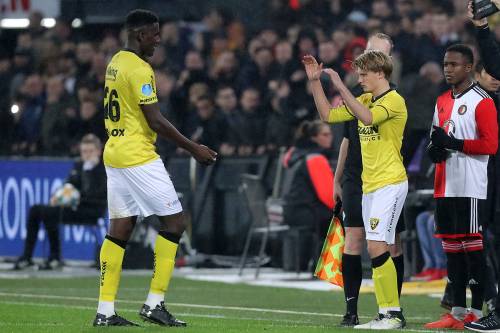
381,95
463,92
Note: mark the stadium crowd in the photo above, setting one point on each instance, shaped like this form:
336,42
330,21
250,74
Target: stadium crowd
238,90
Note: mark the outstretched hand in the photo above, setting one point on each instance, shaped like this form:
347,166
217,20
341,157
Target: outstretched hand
313,70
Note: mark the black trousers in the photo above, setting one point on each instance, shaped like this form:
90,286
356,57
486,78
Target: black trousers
51,218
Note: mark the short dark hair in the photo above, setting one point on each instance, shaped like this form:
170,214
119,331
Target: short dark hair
464,50
479,66
140,17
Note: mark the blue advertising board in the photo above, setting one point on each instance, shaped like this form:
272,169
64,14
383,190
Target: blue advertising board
24,183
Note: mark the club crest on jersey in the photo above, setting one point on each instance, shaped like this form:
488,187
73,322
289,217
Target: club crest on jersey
147,89
374,222
462,109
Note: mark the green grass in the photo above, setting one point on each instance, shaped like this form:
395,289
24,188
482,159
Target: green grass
68,305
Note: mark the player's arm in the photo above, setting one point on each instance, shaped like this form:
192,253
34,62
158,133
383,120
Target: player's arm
165,129
313,71
487,127
358,110
143,91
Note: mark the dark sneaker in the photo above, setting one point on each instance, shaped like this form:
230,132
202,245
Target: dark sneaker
490,323
160,316
114,320
52,264
349,320
23,263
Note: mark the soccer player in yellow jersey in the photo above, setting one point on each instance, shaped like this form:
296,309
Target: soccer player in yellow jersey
381,114
138,183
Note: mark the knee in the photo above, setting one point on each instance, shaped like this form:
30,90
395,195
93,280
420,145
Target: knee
354,240
396,249
376,248
175,224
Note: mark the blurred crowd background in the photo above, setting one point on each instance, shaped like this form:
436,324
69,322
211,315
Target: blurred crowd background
237,87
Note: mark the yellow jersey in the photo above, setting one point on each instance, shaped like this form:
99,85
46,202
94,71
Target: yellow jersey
381,141
129,84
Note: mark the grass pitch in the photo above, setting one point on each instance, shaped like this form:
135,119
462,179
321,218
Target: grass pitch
69,305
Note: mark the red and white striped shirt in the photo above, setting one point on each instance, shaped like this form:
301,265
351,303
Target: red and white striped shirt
471,116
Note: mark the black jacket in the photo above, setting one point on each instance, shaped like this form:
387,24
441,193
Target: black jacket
92,186
489,49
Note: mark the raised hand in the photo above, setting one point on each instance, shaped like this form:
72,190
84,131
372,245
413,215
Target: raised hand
470,15
313,70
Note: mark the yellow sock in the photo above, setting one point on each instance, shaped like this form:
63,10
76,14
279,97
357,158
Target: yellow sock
111,267
385,281
164,261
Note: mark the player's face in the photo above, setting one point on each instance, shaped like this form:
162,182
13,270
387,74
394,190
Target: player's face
368,80
149,38
456,69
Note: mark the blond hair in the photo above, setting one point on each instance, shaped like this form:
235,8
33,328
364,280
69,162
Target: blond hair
374,61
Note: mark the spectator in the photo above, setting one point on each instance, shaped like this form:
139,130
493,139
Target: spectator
27,132
250,124
227,104
207,126
55,136
89,178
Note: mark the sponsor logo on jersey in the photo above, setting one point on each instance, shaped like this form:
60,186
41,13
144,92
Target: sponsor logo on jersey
374,222
147,89
116,132
368,133
462,109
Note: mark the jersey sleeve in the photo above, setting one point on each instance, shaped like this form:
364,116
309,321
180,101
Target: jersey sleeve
143,87
387,109
340,114
487,127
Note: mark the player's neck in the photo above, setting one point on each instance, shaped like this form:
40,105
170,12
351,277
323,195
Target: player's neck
462,86
381,89
133,47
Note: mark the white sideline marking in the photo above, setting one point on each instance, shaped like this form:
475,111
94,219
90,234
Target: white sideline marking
80,307
200,306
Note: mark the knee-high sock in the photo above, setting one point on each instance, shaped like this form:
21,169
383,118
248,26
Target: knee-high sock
457,275
164,261
352,273
386,283
399,263
477,267
112,252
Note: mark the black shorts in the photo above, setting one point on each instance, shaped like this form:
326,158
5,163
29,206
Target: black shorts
352,196
459,217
